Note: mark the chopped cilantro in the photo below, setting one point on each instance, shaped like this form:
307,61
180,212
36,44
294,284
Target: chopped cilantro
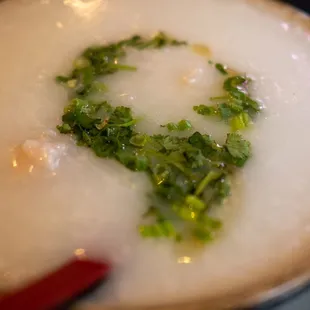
211,176
206,110
221,68
104,60
180,126
235,106
238,148
240,121
189,175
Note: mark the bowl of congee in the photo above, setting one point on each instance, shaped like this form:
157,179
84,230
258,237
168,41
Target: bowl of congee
168,138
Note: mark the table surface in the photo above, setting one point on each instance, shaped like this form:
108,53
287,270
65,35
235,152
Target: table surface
301,302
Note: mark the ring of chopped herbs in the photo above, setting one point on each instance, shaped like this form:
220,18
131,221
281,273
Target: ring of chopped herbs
189,175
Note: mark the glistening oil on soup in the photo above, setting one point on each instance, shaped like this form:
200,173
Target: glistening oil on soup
60,197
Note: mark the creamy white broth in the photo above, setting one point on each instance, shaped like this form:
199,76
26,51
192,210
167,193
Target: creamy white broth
94,204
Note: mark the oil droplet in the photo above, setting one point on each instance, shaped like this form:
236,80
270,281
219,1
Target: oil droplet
184,260
85,8
193,77
202,50
14,163
79,253
59,25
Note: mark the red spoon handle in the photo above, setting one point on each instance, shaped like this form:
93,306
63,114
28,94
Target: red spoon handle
56,288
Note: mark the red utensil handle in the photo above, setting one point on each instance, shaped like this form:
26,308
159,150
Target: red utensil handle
56,288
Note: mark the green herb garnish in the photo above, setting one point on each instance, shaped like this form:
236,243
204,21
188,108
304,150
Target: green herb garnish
102,60
221,68
235,106
190,175
180,126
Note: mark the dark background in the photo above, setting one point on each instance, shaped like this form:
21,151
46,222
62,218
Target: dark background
304,5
